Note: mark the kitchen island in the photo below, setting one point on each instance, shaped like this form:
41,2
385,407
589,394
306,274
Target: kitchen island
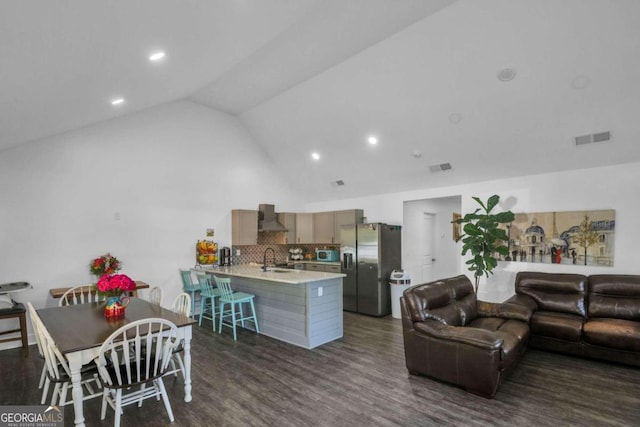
296,306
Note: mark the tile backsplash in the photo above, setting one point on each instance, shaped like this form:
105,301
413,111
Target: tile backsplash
255,253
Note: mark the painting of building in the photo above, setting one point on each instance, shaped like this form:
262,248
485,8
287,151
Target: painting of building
571,237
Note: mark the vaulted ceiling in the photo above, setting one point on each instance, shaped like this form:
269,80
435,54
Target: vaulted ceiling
495,88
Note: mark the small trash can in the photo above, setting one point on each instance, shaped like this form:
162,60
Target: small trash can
399,281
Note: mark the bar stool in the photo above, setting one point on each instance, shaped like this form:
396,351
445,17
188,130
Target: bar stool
17,311
191,288
208,295
227,296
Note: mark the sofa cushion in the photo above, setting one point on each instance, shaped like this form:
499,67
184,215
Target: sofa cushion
465,297
563,293
613,333
515,334
432,301
614,296
557,325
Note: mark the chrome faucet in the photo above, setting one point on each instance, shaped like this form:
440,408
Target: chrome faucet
264,258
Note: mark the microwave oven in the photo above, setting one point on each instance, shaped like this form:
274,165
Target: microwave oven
326,255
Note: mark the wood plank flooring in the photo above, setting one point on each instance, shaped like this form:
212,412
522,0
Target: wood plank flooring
360,380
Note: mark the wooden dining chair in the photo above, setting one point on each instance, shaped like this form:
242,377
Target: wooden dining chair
58,371
182,306
155,296
233,299
131,363
80,295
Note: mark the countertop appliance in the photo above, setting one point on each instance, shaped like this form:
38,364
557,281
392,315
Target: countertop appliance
369,253
225,257
326,255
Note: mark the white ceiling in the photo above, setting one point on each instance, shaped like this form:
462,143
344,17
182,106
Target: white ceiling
307,75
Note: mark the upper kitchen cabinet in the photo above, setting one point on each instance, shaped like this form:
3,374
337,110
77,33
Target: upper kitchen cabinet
324,227
327,225
288,219
304,228
244,227
346,217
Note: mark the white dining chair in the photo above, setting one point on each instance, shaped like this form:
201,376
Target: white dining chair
58,372
44,379
155,296
181,305
80,295
131,363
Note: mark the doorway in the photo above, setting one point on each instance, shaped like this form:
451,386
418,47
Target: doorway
428,249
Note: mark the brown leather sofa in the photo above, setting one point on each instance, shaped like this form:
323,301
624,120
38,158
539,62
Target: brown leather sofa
594,316
450,336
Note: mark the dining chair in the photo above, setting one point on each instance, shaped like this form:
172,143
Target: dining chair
80,295
155,296
135,356
208,295
182,306
44,379
58,371
227,296
191,288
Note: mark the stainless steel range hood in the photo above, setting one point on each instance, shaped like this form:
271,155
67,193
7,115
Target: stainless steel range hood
267,219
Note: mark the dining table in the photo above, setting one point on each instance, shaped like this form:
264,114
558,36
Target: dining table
79,330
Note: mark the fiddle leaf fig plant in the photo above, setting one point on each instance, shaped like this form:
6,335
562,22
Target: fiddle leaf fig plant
483,238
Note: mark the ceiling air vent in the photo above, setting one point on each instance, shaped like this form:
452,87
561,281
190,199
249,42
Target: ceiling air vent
594,137
440,168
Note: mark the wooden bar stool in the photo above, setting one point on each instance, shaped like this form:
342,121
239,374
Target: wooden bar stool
17,311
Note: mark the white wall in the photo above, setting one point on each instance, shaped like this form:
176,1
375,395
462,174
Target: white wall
170,172
613,187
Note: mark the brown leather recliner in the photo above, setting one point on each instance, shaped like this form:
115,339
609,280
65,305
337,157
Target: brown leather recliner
450,336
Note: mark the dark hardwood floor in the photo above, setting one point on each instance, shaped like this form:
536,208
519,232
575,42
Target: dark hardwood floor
360,380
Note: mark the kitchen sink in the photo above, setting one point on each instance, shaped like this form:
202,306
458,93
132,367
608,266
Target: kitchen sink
279,270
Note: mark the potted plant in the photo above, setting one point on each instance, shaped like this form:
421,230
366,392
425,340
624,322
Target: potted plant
483,238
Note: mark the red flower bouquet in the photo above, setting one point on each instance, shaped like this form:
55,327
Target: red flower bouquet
116,285
106,264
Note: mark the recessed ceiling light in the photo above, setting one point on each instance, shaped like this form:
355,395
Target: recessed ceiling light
580,82
315,156
506,74
117,101
455,118
372,140
157,56
416,154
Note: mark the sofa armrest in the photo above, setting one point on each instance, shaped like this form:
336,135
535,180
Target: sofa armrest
505,310
462,335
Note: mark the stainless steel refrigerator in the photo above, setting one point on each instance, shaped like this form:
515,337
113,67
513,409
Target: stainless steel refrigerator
369,253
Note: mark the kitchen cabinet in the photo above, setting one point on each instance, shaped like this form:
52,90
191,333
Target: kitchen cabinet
244,227
332,268
346,217
318,266
327,225
324,227
304,228
288,219
315,267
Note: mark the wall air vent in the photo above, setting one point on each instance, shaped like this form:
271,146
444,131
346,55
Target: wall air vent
440,167
594,137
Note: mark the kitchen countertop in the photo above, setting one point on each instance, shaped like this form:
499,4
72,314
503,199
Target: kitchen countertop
283,275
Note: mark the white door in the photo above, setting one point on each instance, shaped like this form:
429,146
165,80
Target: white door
426,247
